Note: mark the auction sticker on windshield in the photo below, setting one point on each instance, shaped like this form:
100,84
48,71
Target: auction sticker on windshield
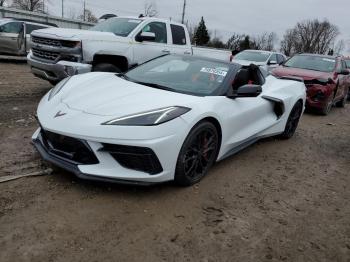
214,71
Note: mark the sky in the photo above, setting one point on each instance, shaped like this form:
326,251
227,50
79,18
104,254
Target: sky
225,17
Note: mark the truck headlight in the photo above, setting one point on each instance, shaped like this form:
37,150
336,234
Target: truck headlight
150,118
54,91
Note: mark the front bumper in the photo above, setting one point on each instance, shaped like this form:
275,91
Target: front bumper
55,71
108,169
318,95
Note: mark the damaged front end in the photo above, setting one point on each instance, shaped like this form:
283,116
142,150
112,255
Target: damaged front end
318,91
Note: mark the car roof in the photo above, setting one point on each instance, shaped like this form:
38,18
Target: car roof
29,21
147,18
319,55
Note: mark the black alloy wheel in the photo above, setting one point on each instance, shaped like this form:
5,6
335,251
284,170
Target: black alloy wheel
197,155
293,121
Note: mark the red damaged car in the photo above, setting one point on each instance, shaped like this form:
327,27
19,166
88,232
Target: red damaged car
325,77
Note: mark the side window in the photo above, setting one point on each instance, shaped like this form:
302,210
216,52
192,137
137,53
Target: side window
179,35
30,28
159,29
12,27
343,64
273,57
280,59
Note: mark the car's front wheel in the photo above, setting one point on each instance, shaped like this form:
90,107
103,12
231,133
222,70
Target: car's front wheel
197,155
293,121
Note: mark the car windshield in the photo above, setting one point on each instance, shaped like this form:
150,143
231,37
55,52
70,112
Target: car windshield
189,75
118,26
254,56
310,62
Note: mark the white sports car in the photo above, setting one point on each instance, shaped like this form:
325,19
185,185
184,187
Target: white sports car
168,119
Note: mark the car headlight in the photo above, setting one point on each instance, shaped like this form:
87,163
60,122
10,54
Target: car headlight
150,118
54,91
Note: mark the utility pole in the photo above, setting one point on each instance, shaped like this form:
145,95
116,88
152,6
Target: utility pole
62,9
183,12
84,10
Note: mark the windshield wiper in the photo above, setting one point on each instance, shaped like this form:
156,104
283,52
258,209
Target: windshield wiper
123,76
154,85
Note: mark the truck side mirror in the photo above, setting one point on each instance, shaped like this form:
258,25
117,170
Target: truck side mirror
146,36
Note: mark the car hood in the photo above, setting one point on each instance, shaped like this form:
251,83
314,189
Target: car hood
75,34
247,62
106,94
303,73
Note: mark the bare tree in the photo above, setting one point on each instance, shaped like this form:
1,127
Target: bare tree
310,36
265,41
88,16
2,2
339,47
150,9
29,5
234,42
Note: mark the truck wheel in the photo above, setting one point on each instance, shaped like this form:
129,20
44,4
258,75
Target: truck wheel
105,67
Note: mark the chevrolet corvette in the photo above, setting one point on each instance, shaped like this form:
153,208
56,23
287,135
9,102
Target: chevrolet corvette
169,119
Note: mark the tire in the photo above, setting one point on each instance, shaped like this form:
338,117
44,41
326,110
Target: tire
325,111
293,121
198,153
52,82
342,102
105,67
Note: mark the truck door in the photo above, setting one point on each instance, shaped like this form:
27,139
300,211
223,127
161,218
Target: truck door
147,50
9,36
179,43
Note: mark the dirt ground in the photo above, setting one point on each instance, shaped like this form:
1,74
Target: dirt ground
275,201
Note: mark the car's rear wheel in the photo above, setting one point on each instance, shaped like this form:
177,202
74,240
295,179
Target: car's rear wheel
327,108
293,121
197,155
342,102
106,67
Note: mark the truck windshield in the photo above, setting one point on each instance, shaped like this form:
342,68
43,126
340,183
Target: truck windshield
254,56
118,26
316,63
189,75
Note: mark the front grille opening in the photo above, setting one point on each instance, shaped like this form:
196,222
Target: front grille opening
71,149
136,158
45,54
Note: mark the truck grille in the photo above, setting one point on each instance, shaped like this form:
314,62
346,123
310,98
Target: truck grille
48,55
46,41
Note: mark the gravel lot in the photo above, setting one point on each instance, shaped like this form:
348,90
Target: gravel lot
275,201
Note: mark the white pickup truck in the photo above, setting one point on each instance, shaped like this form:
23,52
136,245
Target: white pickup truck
114,45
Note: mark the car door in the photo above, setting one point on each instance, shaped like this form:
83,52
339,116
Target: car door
29,28
147,50
179,43
9,36
246,118
343,81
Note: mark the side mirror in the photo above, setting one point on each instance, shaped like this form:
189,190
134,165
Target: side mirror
247,91
146,36
344,72
272,62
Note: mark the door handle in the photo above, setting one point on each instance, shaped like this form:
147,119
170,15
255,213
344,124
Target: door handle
166,51
187,52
